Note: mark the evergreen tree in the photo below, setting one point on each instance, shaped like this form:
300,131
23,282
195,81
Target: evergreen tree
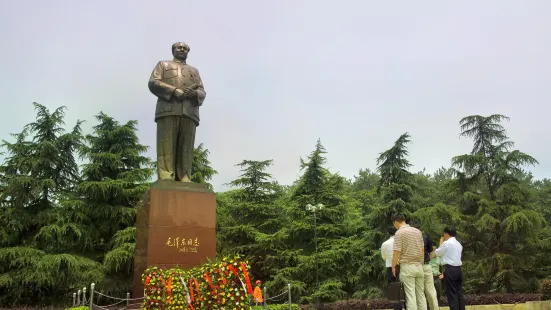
317,186
395,187
61,228
501,231
505,231
114,179
201,169
542,192
40,248
395,190
252,218
490,159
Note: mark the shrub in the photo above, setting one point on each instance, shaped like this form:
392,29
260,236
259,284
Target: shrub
33,308
353,304
381,303
501,298
278,307
545,289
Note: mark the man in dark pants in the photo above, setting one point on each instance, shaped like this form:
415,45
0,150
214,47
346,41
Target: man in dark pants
387,252
450,250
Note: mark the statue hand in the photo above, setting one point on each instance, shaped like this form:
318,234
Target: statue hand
179,94
189,92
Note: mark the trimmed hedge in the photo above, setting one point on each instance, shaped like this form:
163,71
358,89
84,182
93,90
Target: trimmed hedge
470,300
34,308
277,307
545,289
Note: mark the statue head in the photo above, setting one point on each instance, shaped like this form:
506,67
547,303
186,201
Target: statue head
180,50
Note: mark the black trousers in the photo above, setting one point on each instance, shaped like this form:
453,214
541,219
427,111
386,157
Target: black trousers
391,278
453,280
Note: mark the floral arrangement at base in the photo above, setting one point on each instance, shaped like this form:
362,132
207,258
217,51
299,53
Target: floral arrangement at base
224,284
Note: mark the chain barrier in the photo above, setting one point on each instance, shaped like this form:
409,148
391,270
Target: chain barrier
108,306
119,301
277,296
116,298
77,301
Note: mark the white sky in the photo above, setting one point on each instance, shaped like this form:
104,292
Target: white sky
281,74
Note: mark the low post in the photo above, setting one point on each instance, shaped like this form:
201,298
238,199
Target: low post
265,296
84,296
127,299
92,287
290,302
74,300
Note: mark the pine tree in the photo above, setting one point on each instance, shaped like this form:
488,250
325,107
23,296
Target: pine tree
498,225
395,186
490,159
395,191
252,218
201,169
114,179
502,229
40,257
316,186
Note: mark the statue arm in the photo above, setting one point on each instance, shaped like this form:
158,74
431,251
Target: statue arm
201,94
157,86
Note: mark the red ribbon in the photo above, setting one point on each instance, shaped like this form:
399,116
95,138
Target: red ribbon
198,291
191,291
247,280
234,271
168,287
209,281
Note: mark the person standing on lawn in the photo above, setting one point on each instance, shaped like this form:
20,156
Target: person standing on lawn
387,249
450,250
257,294
430,290
409,253
436,266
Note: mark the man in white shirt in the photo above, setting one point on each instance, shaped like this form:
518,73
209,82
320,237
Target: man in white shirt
387,249
386,253
450,250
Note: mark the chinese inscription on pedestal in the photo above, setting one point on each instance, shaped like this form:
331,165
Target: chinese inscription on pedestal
183,244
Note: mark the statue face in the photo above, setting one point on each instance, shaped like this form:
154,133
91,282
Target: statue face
180,51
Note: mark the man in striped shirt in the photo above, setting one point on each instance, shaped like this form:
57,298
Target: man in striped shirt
409,252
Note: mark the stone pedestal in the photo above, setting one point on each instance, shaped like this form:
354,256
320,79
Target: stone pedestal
175,226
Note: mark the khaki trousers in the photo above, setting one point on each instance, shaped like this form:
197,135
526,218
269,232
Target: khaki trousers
412,277
430,290
175,143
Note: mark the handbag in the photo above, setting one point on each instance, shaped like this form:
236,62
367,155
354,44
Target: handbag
396,293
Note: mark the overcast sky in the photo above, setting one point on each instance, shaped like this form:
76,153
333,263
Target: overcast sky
280,74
